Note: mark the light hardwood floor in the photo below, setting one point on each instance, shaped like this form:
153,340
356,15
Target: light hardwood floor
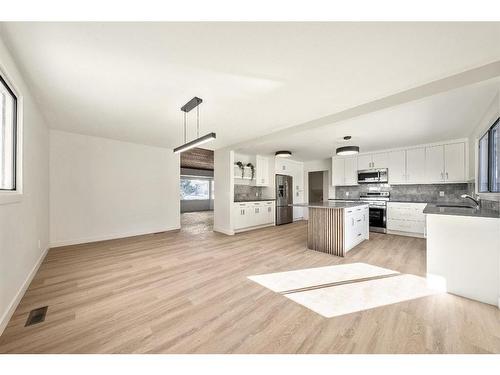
189,293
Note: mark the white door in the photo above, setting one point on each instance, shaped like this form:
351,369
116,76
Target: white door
380,160
351,170
396,162
415,166
454,161
434,164
364,162
338,172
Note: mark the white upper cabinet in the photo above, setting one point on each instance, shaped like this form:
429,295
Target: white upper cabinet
380,160
351,170
396,162
454,162
345,171
338,172
445,163
262,171
415,166
364,162
370,161
434,164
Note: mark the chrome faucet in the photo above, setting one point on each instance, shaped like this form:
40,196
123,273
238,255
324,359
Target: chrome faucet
477,200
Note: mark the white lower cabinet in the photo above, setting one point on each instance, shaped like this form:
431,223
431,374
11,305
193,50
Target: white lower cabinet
356,221
406,217
252,214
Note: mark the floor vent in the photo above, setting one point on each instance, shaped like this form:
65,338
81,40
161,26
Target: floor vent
36,316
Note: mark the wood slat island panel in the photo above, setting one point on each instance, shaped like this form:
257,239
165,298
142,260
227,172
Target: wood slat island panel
325,230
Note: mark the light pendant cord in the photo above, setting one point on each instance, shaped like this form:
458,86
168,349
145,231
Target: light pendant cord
185,127
198,122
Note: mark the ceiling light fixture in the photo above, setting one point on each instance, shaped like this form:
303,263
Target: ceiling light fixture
193,103
347,150
283,154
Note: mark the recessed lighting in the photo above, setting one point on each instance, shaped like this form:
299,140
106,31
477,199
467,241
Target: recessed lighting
347,150
283,154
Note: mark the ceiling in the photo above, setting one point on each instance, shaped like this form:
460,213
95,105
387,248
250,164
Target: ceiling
127,81
450,115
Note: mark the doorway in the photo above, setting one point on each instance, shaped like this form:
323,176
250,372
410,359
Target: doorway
316,191
197,191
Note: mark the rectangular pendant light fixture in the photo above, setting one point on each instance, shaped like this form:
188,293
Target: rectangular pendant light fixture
196,142
192,104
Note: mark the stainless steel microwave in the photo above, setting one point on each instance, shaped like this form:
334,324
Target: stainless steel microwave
368,176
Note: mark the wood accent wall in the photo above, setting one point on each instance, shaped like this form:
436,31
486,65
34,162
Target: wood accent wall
325,230
198,158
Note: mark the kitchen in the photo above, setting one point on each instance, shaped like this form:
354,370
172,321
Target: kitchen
397,190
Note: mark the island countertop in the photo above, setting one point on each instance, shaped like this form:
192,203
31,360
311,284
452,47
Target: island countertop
330,204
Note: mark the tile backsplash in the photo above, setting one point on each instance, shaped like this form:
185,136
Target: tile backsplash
413,193
428,193
242,192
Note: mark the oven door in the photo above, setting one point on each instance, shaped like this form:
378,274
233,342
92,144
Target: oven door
378,219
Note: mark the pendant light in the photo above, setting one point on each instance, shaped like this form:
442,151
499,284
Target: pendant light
347,150
193,103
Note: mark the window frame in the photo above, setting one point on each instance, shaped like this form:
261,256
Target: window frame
16,195
489,193
14,135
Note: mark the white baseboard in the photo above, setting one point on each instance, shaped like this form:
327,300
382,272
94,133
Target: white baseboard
115,236
4,320
229,232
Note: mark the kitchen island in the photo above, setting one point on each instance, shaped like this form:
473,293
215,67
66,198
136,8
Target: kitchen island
336,227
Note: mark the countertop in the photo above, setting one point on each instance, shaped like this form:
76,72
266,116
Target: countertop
433,209
397,201
331,204
253,200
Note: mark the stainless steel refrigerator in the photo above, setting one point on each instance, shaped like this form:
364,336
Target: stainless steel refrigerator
284,197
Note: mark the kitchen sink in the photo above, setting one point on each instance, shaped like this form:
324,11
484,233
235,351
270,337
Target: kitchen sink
454,206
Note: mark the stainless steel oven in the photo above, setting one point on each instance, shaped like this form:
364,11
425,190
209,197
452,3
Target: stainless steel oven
368,176
377,203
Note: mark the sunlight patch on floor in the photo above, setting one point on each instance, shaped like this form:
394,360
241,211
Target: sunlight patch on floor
345,289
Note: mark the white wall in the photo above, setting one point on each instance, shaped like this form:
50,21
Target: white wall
24,224
487,119
102,189
223,190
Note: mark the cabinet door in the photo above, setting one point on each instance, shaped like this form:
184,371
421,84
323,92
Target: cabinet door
434,164
396,162
415,166
240,217
262,171
338,172
269,212
380,160
351,170
454,161
364,162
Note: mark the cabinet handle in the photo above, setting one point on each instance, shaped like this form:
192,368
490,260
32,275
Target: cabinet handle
442,176
446,175
352,221
358,220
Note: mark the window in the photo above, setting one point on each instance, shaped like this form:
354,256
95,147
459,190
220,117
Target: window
195,189
8,116
489,160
